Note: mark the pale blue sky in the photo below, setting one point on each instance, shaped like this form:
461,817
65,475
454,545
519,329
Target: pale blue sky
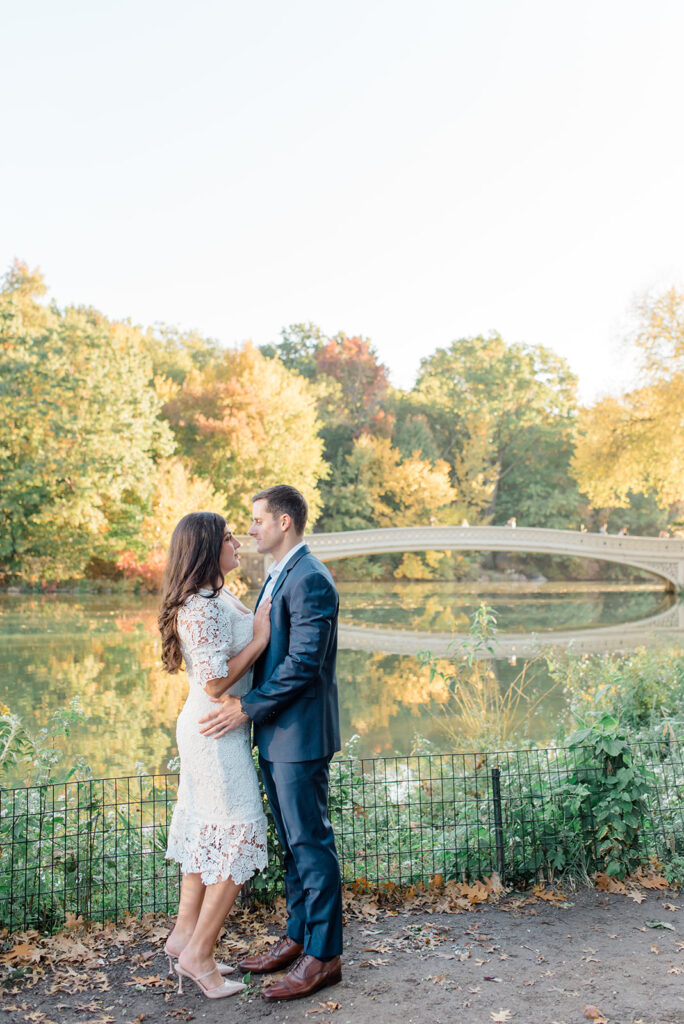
413,172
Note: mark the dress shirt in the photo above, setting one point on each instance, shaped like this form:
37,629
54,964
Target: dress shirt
277,567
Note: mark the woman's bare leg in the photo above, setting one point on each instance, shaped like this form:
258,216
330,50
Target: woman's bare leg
198,955
189,907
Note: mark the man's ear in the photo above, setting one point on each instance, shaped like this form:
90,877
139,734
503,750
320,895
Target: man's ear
285,521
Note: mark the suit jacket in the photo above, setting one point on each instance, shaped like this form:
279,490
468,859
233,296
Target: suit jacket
293,700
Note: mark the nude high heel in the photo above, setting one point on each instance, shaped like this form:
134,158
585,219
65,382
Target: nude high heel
228,988
222,968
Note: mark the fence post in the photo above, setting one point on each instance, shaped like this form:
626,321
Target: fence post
498,823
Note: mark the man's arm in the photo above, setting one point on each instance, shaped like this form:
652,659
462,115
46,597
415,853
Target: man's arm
313,610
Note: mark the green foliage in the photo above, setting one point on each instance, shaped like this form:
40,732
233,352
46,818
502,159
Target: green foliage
79,434
297,348
503,417
174,354
39,759
479,710
96,847
644,689
607,793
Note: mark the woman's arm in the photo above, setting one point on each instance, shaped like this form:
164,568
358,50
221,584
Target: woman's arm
244,659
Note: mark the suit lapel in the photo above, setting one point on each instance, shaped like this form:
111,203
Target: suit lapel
290,565
261,594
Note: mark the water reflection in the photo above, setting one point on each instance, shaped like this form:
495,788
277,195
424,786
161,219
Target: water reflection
106,650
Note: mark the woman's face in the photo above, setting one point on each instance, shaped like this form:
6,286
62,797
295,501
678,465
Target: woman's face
229,558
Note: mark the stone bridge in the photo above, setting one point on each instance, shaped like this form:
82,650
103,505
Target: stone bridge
663,557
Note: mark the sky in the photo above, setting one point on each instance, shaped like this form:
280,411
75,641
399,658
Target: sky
413,172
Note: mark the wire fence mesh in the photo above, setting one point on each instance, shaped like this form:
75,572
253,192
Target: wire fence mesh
96,847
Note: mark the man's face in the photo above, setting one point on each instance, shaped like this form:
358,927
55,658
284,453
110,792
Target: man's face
265,528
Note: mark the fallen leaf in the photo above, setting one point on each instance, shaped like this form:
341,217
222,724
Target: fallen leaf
638,897
655,949
501,1017
142,981
675,970
593,1013
671,906
374,963
660,924
23,951
649,880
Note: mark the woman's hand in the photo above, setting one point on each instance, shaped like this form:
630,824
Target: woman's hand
262,623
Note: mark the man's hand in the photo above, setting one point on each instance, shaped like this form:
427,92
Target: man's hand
229,715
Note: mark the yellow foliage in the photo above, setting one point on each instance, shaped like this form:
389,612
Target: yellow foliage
408,492
246,423
636,443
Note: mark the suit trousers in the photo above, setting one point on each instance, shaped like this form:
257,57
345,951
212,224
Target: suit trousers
298,794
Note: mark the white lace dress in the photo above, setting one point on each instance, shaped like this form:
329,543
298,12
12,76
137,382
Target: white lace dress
218,827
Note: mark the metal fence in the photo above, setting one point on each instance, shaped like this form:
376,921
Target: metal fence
96,847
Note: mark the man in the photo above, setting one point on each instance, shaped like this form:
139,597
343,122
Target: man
293,705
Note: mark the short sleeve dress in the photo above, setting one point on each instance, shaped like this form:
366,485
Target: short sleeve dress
218,829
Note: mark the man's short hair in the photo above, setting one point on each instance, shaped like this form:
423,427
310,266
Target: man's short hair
283,499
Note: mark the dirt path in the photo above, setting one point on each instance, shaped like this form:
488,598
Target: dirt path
528,961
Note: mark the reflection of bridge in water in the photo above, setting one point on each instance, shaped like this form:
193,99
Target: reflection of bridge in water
667,625
663,557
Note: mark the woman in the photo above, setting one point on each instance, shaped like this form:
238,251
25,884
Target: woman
218,829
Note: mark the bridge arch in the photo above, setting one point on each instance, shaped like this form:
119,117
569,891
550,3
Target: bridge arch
662,557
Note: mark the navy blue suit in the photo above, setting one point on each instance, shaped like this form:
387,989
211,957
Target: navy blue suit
293,705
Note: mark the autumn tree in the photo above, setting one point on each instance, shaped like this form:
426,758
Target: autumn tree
175,353
635,443
297,348
247,422
503,417
176,492
377,487
363,383
80,432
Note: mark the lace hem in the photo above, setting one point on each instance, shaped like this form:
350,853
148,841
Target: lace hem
218,852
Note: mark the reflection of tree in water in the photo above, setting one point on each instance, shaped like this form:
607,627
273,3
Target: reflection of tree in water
376,688
387,699
105,649
437,608
130,702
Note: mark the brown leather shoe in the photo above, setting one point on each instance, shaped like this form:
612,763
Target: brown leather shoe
281,955
307,975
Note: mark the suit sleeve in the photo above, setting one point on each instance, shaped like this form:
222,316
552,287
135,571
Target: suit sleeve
313,610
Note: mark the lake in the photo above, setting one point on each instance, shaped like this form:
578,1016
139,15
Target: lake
105,650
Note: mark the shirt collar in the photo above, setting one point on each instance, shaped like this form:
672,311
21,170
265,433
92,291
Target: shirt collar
277,567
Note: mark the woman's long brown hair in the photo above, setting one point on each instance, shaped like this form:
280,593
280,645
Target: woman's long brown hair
194,562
